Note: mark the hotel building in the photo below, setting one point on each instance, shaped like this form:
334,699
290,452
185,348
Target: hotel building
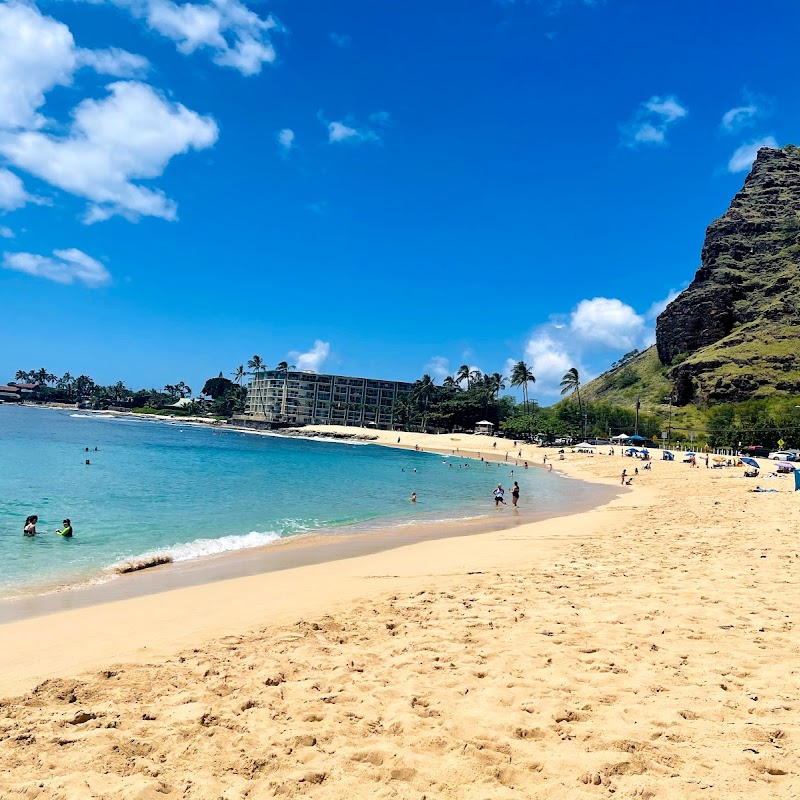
307,398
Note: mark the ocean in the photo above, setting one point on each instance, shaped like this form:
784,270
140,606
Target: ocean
162,487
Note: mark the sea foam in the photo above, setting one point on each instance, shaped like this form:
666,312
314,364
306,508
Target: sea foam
196,549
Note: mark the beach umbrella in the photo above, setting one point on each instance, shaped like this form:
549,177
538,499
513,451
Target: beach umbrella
786,464
718,459
751,462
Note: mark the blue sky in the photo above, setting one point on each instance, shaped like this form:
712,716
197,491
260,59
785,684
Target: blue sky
369,188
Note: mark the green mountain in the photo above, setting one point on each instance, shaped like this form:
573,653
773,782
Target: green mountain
734,333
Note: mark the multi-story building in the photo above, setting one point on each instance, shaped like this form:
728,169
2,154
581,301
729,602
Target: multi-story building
307,398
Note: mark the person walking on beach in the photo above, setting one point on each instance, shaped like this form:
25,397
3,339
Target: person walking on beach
623,476
498,495
515,494
66,531
30,525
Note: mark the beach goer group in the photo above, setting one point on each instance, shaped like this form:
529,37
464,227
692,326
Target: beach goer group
30,527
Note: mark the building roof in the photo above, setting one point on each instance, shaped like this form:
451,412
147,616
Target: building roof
182,403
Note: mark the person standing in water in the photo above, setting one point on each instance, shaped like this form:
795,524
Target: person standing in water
515,494
30,525
66,531
413,497
498,495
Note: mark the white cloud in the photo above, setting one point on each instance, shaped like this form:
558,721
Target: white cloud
340,39
36,54
608,322
314,358
738,118
744,156
6,232
438,367
652,120
129,135
12,191
668,108
659,305
64,266
547,358
285,139
115,62
236,36
339,131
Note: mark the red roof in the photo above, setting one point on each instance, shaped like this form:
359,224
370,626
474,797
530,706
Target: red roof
9,389
25,385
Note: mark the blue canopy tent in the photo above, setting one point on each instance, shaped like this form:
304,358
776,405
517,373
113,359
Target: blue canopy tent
637,439
667,456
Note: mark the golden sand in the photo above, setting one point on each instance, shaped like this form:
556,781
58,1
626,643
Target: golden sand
644,649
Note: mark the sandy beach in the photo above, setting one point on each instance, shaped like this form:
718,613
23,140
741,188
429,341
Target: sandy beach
643,649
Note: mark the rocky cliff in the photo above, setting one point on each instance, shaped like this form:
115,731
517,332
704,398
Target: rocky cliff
735,332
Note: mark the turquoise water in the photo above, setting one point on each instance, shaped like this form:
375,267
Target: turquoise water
159,487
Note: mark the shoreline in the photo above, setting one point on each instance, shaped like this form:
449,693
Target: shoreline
329,543
160,622
643,648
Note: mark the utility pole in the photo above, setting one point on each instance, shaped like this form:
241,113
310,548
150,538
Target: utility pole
669,428
636,425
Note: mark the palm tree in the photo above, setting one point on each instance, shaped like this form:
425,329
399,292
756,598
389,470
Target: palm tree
498,384
285,368
238,374
424,389
23,376
521,375
463,374
84,386
571,382
65,384
257,364
475,377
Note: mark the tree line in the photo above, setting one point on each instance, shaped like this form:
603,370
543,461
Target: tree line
84,390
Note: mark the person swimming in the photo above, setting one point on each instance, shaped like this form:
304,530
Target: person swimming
30,525
66,531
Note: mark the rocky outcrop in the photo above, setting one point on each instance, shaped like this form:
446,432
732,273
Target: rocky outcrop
734,333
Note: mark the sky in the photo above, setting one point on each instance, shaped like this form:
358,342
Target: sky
374,189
